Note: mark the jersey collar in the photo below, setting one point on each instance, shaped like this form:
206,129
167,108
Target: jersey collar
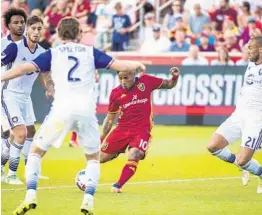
26,45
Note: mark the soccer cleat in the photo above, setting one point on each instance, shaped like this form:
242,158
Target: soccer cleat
25,206
116,189
13,179
74,144
87,207
3,176
259,188
245,177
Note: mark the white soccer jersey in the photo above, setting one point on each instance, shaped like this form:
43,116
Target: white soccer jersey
250,98
5,41
17,53
73,68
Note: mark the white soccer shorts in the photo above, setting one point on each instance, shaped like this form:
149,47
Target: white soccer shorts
15,112
57,125
248,128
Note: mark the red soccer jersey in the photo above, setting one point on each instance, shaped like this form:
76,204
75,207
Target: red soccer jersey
134,105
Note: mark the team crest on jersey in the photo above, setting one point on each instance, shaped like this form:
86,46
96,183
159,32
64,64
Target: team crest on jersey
260,72
104,146
141,86
15,119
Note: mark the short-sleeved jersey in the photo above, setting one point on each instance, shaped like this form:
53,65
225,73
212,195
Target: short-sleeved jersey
5,41
73,67
17,53
134,106
250,98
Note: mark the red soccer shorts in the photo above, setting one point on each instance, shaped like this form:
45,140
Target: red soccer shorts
118,140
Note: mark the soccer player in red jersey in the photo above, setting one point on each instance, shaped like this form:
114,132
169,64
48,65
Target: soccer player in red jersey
132,102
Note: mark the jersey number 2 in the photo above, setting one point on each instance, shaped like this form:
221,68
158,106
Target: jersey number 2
72,70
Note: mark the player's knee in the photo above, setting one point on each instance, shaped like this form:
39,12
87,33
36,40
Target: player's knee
136,154
242,160
20,134
31,131
216,143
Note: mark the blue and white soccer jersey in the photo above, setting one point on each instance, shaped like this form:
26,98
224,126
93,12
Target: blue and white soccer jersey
72,67
246,121
17,107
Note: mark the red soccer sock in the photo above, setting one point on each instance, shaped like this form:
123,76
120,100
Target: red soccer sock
127,172
73,137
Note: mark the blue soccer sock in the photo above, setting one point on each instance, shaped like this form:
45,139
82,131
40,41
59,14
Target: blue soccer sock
226,155
5,151
92,177
32,172
15,150
253,167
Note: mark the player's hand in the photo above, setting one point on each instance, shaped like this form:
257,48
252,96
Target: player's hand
50,92
141,68
174,71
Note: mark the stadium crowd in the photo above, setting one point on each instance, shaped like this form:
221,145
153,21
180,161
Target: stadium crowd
192,26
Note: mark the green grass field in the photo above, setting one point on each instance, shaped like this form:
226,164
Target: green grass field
176,153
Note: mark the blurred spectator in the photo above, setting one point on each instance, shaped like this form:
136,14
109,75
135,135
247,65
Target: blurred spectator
180,24
197,21
146,32
37,4
205,4
121,24
207,30
194,58
103,23
4,7
223,58
148,6
169,21
258,11
242,19
80,10
21,4
159,43
180,44
229,24
231,42
205,45
56,11
253,25
244,59
222,12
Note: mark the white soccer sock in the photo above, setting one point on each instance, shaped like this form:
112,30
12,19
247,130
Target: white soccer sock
253,167
5,151
26,148
92,176
32,171
15,150
226,155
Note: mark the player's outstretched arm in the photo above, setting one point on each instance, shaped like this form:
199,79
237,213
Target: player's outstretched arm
107,124
128,65
169,84
47,83
18,70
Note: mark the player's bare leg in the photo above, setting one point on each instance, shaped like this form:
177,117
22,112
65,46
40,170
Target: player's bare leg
74,140
217,146
26,148
93,176
20,133
246,162
107,157
32,172
134,156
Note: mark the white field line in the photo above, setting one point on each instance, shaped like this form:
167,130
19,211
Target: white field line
130,183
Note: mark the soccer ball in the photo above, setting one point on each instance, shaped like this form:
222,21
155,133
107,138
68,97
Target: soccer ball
81,179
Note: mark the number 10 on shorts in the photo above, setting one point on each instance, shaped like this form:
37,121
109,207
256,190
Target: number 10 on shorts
143,144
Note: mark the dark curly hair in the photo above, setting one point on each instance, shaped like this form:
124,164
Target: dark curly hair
13,12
